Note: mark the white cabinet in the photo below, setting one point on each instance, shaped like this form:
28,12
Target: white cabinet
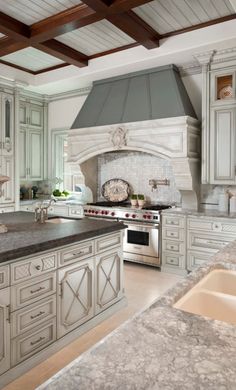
223,145
8,188
4,330
31,154
75,296
31,115
108,279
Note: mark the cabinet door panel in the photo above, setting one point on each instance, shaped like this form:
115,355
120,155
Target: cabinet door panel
35,149
36,116
223,146
7,125
75,303
108,279
22,154
4,331
8,187
23,114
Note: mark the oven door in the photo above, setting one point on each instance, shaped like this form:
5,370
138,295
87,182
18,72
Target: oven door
142,239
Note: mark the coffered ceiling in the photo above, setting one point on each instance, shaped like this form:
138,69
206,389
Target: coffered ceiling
43,35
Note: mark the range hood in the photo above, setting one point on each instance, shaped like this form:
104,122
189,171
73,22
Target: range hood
148,111
151,94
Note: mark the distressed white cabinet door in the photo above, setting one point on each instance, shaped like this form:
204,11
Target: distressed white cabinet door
222,148
108,279
4,330
75,295
23,114
35,154
7,139
22,154
8,193
35,116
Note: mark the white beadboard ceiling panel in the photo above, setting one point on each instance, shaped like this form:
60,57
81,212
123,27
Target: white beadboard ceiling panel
32,11
32,59
96,38
168,15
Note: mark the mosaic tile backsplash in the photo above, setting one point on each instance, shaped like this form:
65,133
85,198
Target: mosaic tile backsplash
137,169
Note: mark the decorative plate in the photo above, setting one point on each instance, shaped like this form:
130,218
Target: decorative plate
116,190
226,92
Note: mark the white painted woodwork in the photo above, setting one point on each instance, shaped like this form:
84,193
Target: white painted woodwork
35,154
169,15
109,286
4,276
7,130
28,268
29,343
196,259
108,242
29,12
177,139
173,234
32,59
8,188
173,221
4,330
22,154
209,243
27,318
76,296
95,38
32,290
74,253
7,209
173,262
173,246
223,147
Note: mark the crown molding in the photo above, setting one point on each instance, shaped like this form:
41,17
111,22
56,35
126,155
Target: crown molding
190,69
215,58
69,94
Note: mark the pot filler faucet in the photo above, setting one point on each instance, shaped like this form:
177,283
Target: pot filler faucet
41,212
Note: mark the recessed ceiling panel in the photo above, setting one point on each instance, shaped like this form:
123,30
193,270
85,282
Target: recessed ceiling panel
32,59
96,38
32,11
169,15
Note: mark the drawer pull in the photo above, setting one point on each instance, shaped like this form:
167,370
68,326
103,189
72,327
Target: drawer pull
37,341
37,315
171,247
38,289
38,267
78,253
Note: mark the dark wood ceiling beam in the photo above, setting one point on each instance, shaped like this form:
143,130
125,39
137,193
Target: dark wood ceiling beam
13,28
64,22
63,52
9,45
136,28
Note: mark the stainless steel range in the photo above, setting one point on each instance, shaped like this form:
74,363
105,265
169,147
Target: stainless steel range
142,238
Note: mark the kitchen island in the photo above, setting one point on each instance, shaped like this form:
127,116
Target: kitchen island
162,348
57,280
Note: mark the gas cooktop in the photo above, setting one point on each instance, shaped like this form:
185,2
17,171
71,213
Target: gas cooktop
149,206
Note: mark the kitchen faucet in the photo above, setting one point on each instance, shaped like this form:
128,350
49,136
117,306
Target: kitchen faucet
41,212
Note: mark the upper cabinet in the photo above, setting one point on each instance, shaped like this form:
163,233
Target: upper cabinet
31,141
218,119
7,120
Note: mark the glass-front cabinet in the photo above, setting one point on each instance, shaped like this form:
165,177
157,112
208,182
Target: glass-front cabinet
7,144
223,88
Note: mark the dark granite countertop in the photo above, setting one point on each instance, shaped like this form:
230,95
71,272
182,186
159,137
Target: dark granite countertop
25,237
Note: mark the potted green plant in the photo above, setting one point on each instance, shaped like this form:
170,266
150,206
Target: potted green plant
133,200
141,200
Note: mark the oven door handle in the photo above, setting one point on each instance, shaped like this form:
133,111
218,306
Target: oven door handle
141,225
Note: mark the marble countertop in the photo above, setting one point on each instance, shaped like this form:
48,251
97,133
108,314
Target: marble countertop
200,213
25,236
162,348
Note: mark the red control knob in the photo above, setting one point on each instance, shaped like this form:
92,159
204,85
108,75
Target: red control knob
149,216
113,214
127,215
92,211
133,215
102,212
144,216
96,212
106,212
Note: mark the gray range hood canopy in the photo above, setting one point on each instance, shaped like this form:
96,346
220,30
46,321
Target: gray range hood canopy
150,94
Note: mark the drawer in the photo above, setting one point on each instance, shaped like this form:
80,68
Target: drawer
108,242
173,260
4,276
7,209
27,318
173,246
76,252
195,259
28,268
31,291
29,343
173,234
207,243
62,211
224,227
27,208
176,221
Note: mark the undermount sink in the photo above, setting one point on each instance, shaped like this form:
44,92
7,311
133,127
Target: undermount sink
214,297
59,220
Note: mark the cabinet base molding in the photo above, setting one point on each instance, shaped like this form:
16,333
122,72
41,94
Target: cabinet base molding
25,366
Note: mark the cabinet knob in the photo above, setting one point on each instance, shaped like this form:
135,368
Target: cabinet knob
38,267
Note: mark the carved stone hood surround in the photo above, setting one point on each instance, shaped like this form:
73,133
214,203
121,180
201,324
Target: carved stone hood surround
177,139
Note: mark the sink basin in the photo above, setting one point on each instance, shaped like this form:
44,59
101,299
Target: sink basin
59,220
214,297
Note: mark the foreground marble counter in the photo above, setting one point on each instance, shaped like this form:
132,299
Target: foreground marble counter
161,348
25,236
